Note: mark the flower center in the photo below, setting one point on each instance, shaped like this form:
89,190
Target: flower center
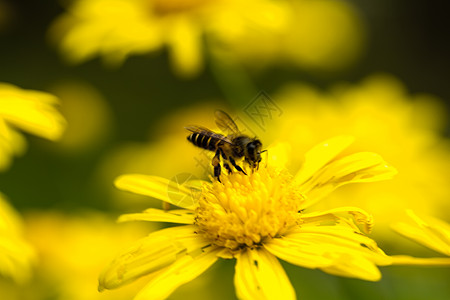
245,210
165,7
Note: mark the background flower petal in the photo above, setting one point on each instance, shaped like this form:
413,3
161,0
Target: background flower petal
32,111
430,232
16,255
406,260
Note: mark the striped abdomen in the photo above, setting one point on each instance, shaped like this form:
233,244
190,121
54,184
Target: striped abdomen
204,141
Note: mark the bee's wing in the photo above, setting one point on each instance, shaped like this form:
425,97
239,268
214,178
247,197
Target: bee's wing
197,129
207,132
225,123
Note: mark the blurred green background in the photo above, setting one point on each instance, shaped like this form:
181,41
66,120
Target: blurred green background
408,39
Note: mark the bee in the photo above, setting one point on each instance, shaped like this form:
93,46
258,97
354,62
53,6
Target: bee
231,147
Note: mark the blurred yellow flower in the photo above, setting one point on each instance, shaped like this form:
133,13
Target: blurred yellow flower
405,129
28,110
88,115
16,255
72,249
254,218
116,29
326,35
428,231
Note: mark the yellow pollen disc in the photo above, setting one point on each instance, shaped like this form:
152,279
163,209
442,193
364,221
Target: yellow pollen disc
245,210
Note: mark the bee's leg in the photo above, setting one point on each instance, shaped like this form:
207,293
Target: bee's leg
223,154
252,166
227,166
235,165
216,164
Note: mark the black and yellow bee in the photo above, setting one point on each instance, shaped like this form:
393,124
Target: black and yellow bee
232,147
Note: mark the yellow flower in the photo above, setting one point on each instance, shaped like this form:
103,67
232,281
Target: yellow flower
326,35
71,251
86,130
254,219
16,255
116,29
29,110
405,129
428,231
35,113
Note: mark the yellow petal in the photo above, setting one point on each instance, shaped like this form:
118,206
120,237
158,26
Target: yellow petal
16,257
32,111
298,253
259,275
10,220
185,45
320,155
29,110
184,270
159,188
430,232
422,236
331,241
329,252
115,29
405,260
348,265
12,143
333,244
151,254
358,167
158,215
358,215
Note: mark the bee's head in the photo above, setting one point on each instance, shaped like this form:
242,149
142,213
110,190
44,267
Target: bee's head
253,156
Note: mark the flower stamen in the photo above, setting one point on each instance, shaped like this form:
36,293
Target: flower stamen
246,210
